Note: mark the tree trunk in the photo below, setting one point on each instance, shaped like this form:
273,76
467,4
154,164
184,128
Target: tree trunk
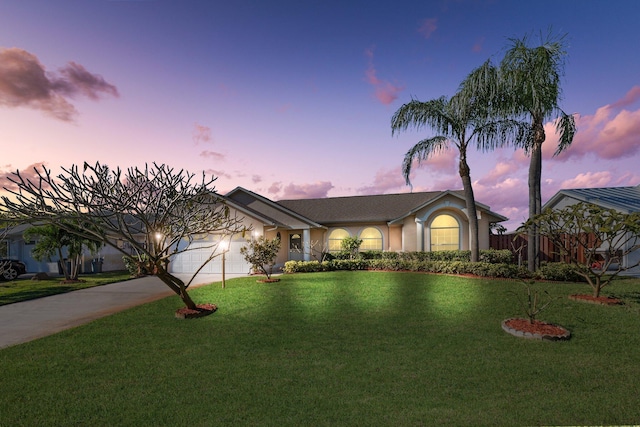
176,285
465,174
535,196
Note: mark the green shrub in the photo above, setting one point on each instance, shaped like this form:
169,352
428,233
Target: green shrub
305,266
137,265
495,256
558,271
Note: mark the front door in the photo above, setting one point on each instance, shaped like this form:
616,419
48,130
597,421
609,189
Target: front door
295,247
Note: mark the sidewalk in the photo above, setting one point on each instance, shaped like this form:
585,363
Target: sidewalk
25,321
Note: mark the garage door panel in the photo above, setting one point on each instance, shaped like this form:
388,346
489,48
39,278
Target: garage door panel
188,262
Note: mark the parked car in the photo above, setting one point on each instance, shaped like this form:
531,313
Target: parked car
11,268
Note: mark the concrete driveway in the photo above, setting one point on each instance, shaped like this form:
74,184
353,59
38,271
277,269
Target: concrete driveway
25,321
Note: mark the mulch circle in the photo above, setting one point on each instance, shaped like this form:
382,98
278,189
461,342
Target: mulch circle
201,311
595,300
267,280
538,330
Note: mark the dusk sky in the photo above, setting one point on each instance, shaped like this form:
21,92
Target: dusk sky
294,99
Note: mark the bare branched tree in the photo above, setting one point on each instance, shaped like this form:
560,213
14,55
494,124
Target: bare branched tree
157,210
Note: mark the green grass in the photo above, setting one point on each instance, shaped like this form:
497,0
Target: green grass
26,289
340,348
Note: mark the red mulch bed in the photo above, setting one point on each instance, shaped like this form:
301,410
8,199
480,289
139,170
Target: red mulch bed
536,330
593,300
202,310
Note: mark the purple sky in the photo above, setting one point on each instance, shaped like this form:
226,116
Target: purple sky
294,99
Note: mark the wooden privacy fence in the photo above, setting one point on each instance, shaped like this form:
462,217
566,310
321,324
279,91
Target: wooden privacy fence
517,244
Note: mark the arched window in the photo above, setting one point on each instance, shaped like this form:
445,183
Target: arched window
335,239
445,233
371,239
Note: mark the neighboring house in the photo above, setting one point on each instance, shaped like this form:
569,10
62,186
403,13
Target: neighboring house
427,221
17,248
622,199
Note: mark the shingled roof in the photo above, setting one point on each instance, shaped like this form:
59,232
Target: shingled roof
377,208
623,199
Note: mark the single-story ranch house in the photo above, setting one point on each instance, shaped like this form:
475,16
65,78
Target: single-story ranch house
622,199
423,221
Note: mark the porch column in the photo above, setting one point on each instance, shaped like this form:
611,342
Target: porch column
306,244
419,235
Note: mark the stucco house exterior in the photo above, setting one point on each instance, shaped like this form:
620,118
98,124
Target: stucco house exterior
622,199
422,221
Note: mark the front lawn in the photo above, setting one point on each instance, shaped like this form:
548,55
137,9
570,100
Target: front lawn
339,348
26,289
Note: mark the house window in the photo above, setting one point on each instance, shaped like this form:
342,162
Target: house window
371,239
445,233
335,239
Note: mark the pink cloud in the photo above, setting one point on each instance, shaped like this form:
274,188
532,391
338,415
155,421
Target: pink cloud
428,27
504,194
504,168
609,133
444,161
217,173
201,133
630,98
602,135
24,82
385,181
385,91
588,180
256,179
212,155
28,174
307,191
275,188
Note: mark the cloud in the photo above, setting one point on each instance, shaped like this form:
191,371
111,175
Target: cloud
201,134
218,173
428,27
305,191
630,98
275,188
385,92
24,82
588,180
212,155
28,174
612,132
505,168
256,179
385,181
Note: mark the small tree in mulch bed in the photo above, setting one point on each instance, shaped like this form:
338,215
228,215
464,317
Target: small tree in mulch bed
261,254
592,239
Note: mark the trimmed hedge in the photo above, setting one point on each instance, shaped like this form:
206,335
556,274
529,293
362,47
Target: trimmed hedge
482,269
493,263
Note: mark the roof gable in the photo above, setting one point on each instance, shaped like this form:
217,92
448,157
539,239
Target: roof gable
280,215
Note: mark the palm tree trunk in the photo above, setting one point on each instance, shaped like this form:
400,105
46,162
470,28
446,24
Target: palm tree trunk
535,195
465,175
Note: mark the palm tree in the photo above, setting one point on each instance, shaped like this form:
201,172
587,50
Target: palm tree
526,87
458,121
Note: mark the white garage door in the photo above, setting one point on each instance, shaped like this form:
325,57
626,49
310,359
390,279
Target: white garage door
188,262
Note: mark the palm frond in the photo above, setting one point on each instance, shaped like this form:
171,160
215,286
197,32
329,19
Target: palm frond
421,151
